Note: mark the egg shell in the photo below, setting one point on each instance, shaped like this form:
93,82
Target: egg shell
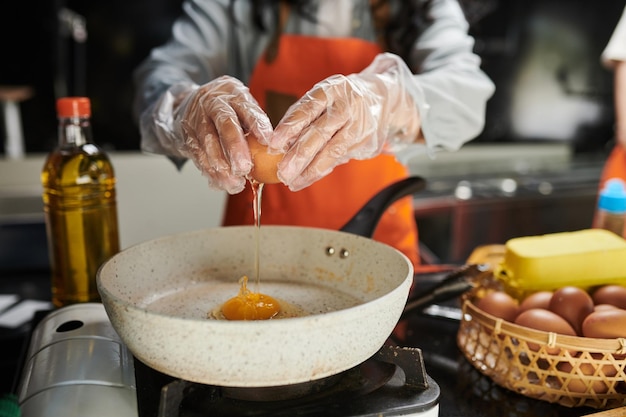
609,370
579,380
573,304
499,304
547,321
265,165
599,307
605,324
540,299
610,294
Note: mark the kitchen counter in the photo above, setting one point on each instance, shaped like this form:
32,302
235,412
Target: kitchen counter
153,198
471,194
464,391
457,213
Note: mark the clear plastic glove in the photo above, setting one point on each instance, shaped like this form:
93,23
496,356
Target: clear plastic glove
215,119
347,117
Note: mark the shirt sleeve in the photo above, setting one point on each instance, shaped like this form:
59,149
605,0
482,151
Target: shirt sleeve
204,45
455,89
449,87
615,50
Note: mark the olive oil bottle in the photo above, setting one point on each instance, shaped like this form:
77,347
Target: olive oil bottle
79,204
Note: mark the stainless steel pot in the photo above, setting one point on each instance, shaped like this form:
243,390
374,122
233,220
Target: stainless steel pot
157,295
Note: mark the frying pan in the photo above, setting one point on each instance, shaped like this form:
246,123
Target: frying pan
158,294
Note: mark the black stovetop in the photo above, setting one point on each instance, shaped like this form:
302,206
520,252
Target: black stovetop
392,382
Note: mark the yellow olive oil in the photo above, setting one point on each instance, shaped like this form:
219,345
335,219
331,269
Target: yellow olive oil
80,206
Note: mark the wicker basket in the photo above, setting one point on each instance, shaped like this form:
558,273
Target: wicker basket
571,371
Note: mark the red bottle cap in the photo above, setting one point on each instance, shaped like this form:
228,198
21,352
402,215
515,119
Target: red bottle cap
73,107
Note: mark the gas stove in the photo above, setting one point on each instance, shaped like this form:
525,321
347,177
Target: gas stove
76,362
392,382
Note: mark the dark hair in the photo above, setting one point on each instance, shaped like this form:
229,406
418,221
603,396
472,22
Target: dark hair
399,33
405,26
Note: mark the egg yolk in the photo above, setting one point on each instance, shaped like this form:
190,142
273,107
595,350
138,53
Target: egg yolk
248,305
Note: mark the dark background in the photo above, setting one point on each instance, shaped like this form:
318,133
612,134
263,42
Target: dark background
541,49
119,35
511,35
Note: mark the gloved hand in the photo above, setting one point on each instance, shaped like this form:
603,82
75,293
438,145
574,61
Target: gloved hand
347,117
215,119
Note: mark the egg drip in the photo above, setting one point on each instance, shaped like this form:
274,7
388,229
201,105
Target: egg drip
252,305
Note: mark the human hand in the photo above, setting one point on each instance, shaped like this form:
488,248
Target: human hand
346,117
215,119
619,95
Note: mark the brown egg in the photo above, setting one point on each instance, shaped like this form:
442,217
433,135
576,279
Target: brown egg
265,165
605,324
609,370
610,294
499,304
575,382
547,321
599,307
540,299
573,304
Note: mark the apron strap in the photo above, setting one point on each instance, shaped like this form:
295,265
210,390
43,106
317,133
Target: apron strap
283,15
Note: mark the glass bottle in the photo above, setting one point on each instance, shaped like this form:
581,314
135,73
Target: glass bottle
79,204
612,207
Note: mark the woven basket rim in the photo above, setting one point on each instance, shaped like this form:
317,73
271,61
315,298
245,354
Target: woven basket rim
551,339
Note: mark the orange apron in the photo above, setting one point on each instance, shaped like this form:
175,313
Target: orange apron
299,63
615,165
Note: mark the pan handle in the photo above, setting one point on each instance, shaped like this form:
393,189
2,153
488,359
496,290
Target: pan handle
364,222
455,283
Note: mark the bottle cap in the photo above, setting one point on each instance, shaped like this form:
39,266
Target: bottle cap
73,107
613,196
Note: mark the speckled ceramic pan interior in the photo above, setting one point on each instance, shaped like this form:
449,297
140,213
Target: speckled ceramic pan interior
158,294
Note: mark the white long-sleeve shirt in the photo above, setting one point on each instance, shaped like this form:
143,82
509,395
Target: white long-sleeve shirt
206,44
615,49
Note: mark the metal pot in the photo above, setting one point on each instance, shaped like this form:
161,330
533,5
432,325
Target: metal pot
158,293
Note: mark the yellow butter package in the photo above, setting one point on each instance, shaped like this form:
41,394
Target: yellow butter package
583,258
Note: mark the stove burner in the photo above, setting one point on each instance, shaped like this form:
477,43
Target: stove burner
359,380
392,382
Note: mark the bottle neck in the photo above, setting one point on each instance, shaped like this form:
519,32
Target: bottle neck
74,131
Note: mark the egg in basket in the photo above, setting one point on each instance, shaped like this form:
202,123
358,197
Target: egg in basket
551,324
